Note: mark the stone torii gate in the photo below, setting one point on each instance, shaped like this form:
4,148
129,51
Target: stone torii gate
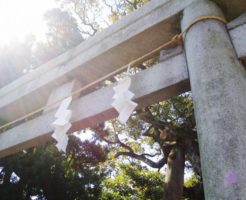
211,61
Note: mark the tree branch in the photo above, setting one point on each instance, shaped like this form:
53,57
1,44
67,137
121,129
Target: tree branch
111,7
155,137
149,118
133,4
85,22
142,158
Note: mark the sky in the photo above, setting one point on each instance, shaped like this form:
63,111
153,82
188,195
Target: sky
18,18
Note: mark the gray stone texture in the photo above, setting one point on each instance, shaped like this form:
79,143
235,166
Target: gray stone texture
164,80
218,83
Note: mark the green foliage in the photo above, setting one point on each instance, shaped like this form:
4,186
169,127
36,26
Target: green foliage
121,8
45,172
133,183
88,13
63,30
191,182
63,34
94,14
17,57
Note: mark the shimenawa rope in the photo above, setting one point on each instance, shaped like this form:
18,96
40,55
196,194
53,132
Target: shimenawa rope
174,40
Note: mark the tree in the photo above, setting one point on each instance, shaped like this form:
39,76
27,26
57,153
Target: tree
123,7
167,127
133,182
48,174
63,34
160,134
91,14
42,170
18,57
63,30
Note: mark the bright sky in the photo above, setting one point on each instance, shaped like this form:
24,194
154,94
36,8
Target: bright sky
19,18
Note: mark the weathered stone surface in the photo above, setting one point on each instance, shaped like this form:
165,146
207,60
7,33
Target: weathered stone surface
154,84
126,40
130,38
62,92
238,37
239,21
218,83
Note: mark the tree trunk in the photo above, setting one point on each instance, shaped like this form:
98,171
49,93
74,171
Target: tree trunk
175,174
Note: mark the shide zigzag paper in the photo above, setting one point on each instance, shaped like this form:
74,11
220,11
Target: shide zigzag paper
122,100
62,124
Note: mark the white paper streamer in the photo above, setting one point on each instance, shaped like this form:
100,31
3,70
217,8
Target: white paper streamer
63,107
126,111
122,100
63,119
62,124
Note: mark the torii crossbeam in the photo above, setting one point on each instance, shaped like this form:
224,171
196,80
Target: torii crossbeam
207,62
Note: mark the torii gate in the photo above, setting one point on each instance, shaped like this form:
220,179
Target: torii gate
208,61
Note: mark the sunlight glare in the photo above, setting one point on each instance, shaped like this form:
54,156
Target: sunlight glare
21,18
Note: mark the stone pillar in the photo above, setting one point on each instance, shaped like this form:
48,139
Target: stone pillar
218,83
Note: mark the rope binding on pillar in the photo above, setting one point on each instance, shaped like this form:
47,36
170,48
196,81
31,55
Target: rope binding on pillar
202,18
176,39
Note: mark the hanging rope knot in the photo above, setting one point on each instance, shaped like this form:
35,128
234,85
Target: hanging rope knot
177,38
